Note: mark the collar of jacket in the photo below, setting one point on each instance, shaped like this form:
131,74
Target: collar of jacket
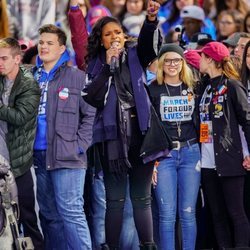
138,79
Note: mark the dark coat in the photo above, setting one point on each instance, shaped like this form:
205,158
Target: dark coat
101,93
20,116
227,142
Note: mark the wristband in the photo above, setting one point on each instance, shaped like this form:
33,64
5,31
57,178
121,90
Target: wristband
74,7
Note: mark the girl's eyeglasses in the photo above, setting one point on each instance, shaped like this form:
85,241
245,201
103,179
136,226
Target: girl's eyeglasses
175,61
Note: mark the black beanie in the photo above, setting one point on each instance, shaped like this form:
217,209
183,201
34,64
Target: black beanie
171,47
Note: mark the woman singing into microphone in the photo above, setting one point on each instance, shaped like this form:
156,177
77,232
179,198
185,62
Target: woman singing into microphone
115,86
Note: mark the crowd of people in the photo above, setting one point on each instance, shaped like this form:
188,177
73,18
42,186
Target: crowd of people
132,117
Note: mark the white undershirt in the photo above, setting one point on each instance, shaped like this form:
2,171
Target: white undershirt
207,155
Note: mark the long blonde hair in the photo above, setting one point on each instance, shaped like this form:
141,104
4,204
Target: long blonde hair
228,68
4,23
186,74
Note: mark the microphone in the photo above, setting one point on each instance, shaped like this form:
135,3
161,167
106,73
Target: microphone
114,63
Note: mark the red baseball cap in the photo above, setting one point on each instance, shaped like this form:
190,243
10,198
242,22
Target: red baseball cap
216,50
192,57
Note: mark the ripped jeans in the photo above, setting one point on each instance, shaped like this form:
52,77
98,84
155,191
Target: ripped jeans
178,180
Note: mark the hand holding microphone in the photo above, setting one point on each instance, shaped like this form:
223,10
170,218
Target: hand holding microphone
114,56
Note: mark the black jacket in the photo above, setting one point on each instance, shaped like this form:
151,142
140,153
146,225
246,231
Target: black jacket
235,112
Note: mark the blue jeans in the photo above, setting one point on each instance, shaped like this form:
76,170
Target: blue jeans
178,176
97,211
128,238
60,199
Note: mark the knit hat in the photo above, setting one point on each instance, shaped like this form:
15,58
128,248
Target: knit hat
171,47
193,11
216,50
96,13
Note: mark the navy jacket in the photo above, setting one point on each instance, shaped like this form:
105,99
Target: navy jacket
101,93
69,121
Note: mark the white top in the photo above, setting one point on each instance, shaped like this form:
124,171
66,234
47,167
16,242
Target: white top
207,155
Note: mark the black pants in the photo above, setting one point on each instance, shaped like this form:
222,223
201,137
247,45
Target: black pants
247,195
225,199
28,217
140,177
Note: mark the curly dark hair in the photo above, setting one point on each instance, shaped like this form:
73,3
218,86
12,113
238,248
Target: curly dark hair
245,72
95,38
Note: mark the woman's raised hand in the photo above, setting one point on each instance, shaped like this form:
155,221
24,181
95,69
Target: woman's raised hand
152,10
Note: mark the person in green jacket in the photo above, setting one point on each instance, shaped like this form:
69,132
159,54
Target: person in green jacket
19,100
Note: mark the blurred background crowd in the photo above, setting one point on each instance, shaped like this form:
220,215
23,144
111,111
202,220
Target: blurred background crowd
219,19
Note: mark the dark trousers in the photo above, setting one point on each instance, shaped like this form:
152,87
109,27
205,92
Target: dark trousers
140,194
225,199
139,176
28,217
247,195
